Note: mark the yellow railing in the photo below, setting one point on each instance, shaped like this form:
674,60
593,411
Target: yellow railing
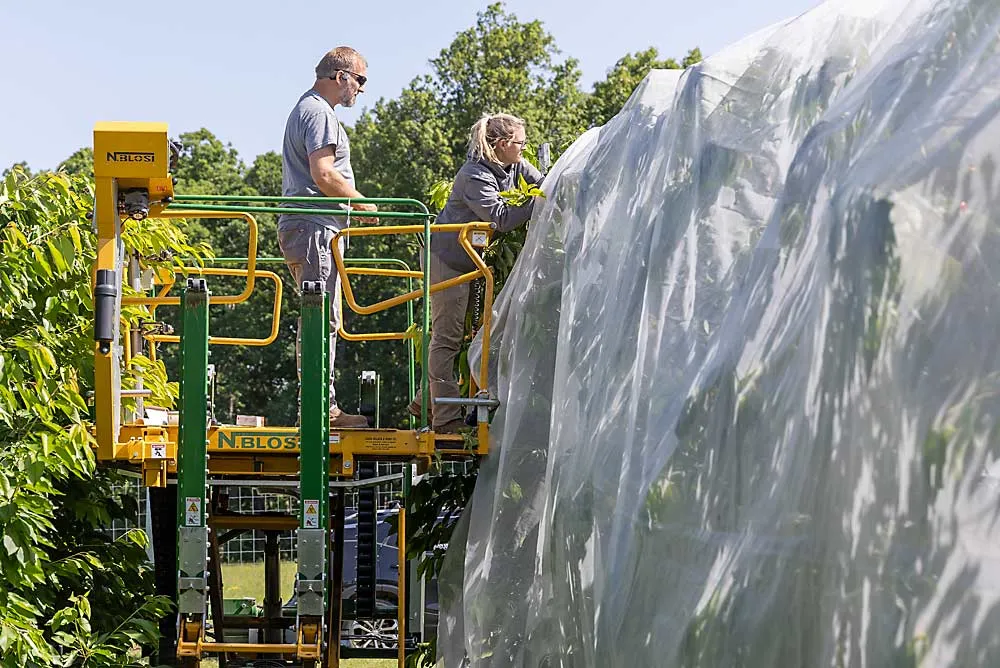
228,340
250,271
463,230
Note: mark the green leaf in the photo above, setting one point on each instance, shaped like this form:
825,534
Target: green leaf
150,628
137,537
7,638
41,264
84,605
439,193
67,249
57,257
74,233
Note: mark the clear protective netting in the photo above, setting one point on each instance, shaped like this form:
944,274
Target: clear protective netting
748,366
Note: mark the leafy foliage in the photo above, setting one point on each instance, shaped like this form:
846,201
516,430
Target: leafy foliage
81,163
438,194
72,595
522,193
610,94
436,503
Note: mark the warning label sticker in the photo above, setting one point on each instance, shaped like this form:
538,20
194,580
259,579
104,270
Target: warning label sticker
159,451
335,438
192,511
479,238
310,514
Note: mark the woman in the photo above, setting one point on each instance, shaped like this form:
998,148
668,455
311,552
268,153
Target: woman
496,143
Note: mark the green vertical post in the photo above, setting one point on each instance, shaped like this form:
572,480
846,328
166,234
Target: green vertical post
315,419
192,450
314,458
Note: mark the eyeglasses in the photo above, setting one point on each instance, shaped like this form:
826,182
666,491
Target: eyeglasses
361,79
520,143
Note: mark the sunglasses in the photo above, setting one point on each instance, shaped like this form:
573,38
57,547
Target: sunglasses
362,80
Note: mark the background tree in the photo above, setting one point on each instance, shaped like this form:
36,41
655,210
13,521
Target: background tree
403,146
81,163
610,94
20,166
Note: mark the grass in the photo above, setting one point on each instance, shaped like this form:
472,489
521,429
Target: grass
247,580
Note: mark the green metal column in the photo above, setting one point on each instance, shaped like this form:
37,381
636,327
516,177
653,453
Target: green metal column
314,460
192,450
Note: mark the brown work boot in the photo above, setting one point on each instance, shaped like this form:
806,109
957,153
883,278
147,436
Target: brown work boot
451,427
414,408
341,420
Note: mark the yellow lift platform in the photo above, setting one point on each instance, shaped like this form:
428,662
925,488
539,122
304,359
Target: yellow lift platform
180,463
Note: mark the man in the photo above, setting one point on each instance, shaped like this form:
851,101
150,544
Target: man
316,162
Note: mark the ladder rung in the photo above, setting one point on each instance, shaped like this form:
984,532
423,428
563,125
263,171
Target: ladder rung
260,648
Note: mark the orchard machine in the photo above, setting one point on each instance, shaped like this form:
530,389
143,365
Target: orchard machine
183,462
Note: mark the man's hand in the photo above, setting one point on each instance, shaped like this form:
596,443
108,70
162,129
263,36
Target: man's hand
365,207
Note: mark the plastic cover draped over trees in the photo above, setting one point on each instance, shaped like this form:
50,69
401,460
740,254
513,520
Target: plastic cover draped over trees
748,366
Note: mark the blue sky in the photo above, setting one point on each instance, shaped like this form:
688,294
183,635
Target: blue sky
237,67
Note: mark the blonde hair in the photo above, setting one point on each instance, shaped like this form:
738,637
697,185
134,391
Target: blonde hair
487,131
341,58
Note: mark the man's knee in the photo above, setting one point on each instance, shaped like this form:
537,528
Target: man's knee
295,269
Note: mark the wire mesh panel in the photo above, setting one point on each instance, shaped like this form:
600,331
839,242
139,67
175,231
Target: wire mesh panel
248,547
131,487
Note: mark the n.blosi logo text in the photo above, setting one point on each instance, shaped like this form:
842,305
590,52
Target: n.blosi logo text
130,156
261,440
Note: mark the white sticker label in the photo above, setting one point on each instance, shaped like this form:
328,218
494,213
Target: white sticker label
479,238
310,514
192,511
335,438
159,451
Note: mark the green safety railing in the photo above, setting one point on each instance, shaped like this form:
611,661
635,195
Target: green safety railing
248,204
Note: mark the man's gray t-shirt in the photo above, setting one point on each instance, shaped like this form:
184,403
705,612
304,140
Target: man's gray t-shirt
311,126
